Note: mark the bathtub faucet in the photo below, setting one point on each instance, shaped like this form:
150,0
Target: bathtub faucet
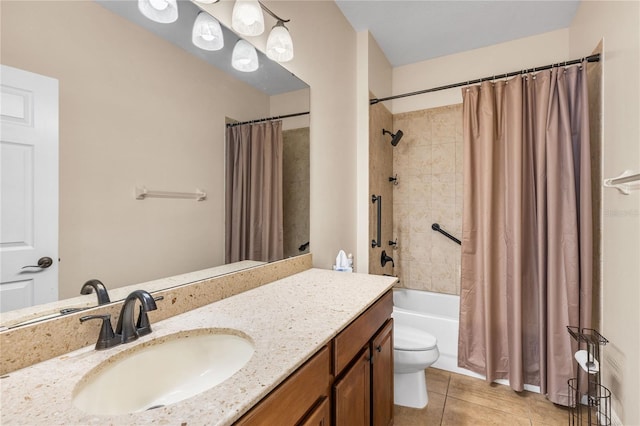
384,259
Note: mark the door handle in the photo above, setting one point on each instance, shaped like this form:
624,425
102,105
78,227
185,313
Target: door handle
43,263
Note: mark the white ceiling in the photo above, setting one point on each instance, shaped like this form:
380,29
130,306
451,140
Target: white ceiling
414,31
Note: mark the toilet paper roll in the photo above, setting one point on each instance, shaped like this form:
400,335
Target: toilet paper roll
588,363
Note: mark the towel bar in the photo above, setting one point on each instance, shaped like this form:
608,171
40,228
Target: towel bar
623,182
142,193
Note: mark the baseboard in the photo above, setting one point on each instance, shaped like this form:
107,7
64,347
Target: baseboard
530,388
451,366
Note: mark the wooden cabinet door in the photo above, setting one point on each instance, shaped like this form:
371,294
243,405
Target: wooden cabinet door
352,393
289,402
382,376
320,416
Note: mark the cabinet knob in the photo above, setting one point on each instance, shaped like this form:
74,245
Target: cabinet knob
379,348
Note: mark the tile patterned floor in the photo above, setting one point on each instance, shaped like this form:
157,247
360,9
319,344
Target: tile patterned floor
457,400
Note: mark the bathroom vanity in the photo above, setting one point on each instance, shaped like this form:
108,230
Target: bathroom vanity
322,350
344,380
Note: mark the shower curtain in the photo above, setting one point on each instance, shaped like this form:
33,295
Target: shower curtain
527,241
253,198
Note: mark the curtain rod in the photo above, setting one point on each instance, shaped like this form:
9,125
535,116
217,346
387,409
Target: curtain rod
259,120
592,58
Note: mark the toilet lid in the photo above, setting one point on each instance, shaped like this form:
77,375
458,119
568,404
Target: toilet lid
412,339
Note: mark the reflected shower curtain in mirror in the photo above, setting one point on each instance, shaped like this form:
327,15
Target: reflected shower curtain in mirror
527,240
253,204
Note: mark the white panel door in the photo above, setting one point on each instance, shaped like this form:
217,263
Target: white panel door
29,189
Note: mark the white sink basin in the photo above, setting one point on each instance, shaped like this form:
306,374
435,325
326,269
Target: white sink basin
162,371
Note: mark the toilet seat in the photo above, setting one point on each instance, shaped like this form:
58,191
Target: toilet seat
407,338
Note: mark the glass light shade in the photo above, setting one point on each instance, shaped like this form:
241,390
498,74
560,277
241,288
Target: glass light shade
279,44
244,57
247,18
207,33
162,11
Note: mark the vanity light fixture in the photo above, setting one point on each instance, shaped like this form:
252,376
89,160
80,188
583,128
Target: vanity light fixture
247,18
244,57
207,33
161,11
279,43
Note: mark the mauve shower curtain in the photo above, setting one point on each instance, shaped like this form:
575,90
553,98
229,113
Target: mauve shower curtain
526,233
253,208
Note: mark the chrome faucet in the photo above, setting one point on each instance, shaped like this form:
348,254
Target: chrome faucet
97,286
127,328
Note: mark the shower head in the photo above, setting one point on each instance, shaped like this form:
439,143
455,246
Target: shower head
395,138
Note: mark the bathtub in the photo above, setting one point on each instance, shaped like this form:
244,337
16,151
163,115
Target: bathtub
437,314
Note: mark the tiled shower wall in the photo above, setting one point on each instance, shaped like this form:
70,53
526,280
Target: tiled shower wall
428,163
295,183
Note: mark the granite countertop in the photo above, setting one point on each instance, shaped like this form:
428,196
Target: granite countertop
288,320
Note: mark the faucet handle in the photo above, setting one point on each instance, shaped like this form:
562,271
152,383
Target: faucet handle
143,325
107,338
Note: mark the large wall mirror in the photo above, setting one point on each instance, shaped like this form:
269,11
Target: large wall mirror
139,106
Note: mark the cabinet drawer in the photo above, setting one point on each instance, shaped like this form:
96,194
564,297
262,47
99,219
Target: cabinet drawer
290,401
352,339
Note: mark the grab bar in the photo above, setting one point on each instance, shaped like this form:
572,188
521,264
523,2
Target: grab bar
377,242
436,227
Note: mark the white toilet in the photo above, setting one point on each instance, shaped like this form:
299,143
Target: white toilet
413,351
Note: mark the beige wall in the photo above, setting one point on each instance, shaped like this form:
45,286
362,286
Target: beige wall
515,55
291,103
325,52
380,71
363,205
374,80
618,23
134,110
